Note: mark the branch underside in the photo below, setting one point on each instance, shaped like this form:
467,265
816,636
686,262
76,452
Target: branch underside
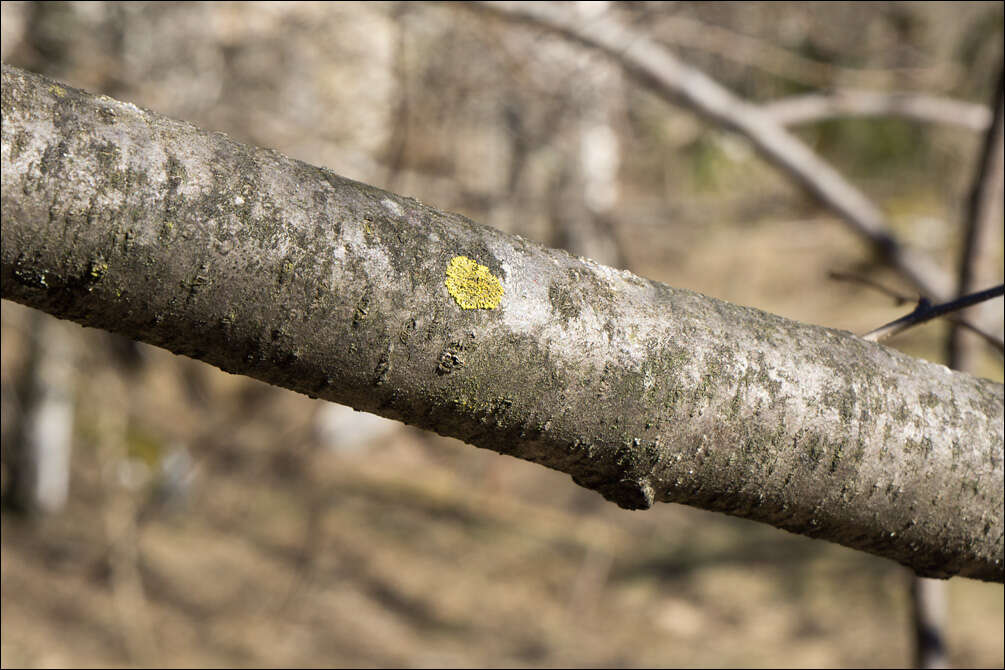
120,219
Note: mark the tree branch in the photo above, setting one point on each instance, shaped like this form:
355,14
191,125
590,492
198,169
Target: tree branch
926,311
902,299
656,67
981,227
810,108
261,265
757,53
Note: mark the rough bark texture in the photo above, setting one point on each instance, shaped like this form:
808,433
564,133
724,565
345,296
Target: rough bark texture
261,265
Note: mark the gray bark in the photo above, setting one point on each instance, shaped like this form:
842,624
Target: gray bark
121,219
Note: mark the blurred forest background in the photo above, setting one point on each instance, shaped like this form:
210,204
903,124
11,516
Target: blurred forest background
212,520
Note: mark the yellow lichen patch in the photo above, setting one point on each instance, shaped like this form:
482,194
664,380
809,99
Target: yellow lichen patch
472,285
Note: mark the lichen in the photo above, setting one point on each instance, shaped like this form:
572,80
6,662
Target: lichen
472,285
97,269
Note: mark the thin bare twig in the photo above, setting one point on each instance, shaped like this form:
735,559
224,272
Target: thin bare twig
925,311
982,225
810,108
779,61
902,298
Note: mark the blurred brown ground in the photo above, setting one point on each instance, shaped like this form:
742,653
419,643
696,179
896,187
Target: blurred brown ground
418,550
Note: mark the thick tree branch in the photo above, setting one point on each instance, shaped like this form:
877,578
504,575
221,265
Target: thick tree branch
121,219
